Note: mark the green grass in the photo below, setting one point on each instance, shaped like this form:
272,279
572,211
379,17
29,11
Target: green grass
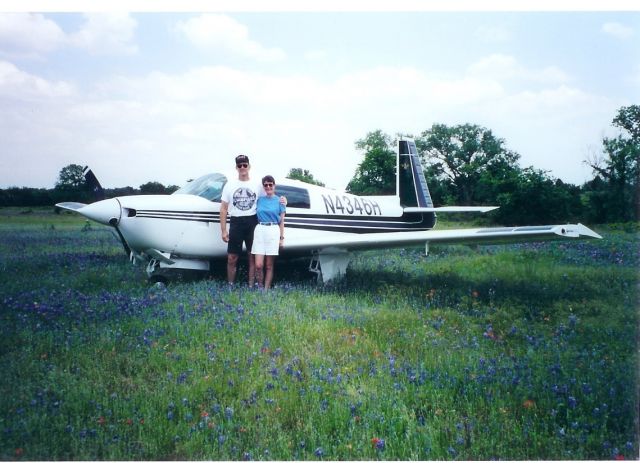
510,352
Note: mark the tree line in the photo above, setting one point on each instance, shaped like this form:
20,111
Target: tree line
72,186
464,164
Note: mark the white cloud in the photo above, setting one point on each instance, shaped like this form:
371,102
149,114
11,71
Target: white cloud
503,68
33,35
109,34
19,85
617,30
216,31
24,33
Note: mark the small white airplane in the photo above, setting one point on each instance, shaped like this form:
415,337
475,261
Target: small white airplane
182,231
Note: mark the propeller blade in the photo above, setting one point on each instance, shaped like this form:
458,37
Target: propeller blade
127,249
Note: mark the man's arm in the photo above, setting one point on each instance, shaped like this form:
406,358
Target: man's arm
224,207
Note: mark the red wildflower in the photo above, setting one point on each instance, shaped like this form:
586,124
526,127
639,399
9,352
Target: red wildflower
101,421
618,457
19,452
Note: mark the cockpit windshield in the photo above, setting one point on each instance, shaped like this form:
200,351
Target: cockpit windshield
208,186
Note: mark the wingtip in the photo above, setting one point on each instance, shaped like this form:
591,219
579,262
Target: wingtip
586,231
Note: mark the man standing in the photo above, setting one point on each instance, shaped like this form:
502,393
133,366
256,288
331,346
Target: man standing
239,198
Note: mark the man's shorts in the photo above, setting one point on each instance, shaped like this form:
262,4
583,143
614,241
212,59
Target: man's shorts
266,240
241,230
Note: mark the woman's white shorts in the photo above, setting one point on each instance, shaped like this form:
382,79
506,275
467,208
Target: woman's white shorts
266,240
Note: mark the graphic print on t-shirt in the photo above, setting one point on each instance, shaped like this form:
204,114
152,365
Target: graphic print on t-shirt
244,199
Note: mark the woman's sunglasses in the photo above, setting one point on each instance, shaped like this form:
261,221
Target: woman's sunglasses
267,185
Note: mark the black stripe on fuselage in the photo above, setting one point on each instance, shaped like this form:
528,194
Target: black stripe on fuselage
343,224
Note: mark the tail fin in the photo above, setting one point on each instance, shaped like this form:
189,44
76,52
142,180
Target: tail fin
411,186
93,183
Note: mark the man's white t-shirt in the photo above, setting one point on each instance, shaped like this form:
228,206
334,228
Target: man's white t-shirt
242,196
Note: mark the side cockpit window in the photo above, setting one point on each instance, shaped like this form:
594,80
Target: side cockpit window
208,187
296,197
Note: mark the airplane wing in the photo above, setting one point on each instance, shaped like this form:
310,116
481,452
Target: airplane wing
481,209
500,235
71,206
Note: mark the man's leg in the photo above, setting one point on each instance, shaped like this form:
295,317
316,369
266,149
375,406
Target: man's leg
232,267
252,269
251,227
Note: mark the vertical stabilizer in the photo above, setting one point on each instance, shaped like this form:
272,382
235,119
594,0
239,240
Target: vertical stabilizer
411,186
93,183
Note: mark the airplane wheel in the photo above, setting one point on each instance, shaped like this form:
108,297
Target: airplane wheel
155,279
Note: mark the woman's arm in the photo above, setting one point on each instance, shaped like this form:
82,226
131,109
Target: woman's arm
281,229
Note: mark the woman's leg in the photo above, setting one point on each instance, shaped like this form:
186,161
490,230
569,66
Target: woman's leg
259,269
268,271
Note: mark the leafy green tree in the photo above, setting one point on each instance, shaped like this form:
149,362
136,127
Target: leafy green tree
297,173
71,185
617,196
71,177
153,188
376,174
531,196
460,155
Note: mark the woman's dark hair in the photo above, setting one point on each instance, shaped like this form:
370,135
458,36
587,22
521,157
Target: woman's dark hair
268,178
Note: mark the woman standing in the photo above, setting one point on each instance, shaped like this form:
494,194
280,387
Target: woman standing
269,233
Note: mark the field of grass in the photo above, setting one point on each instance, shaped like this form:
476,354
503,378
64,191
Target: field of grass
508,352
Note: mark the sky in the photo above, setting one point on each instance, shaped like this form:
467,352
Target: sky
167,97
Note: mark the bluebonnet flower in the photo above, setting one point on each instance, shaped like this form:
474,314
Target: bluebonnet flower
319,452
572,402
228,413
378,444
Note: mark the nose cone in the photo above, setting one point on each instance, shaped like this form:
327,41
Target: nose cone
106,212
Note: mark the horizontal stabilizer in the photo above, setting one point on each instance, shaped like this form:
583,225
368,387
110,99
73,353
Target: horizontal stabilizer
71,206
481,209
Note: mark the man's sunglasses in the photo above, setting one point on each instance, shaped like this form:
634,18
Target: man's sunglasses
267,185
244,165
